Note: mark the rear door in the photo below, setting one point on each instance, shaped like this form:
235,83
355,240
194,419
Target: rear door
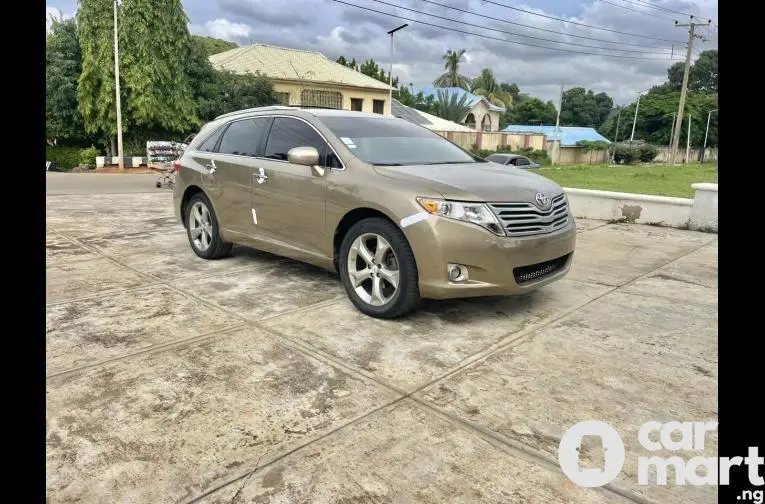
234,163
289,199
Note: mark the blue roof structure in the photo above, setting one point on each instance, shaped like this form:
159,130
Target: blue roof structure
473,99
569,135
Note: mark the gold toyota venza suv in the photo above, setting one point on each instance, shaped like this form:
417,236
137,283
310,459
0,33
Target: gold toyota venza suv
399,211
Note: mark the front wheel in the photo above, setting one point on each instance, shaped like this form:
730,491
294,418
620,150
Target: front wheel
378,269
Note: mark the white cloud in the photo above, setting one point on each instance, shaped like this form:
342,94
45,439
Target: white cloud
224,29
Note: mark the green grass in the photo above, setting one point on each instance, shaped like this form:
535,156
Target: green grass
659,180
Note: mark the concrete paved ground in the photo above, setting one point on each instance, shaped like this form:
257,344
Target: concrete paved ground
253,379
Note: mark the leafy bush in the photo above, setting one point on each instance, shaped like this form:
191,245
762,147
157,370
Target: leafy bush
647,153
481,153
88,156
624,154
593,145
65,158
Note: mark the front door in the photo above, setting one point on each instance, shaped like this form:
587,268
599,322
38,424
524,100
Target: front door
289,199
233,167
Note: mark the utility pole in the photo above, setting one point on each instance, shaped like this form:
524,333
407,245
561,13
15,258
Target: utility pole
688,145
704,149
556,159
616,136
390,73
672,131
120,159
679,121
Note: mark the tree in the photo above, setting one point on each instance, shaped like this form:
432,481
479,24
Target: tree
350,64
452,77
211,45
531,111
654,120
582,107
369,68
156,39
488,87
228,92
418,101
95,87
451,106
63,66
514,91
702,76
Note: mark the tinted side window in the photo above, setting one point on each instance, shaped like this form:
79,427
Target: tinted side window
522,161
209,144
289,133
243,138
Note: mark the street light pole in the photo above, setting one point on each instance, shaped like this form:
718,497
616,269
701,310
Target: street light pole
634,121
390,73
704,149
120,159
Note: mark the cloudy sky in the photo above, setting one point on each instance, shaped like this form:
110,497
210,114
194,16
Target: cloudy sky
498,37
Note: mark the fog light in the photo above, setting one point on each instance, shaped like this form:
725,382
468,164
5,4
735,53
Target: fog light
457,272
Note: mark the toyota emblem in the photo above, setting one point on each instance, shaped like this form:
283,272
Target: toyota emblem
542,200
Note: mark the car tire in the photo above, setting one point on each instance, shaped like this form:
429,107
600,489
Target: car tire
203,230
366,269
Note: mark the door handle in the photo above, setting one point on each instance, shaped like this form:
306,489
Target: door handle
211,167
260,176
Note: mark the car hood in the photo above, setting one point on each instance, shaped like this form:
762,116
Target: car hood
475,181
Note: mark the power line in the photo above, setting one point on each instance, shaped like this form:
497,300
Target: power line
497,38
659,7
579,24
541,29
638,11
514,33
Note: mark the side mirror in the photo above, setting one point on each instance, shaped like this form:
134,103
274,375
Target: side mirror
307,156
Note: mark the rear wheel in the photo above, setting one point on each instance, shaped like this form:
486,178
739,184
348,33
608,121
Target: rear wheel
203,229
378,269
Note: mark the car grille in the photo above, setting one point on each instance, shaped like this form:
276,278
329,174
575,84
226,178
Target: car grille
526,274
521,219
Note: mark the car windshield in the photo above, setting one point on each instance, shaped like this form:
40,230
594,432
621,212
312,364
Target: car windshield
395,142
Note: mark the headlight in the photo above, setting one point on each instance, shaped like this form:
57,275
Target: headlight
477,213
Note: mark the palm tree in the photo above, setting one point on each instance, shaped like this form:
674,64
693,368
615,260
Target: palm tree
452,106
487,86
452,77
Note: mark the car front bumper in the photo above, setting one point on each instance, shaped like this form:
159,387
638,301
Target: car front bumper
490,259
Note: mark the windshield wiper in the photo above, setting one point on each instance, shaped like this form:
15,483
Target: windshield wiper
388,164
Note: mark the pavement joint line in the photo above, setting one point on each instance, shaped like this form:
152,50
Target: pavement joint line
278,457
518,448
508,341
668,298
105,293
461,366
150,349
320,304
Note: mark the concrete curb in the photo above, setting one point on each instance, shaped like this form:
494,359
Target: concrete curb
699,213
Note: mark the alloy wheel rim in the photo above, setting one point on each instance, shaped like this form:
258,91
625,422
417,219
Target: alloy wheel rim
373,269
200,226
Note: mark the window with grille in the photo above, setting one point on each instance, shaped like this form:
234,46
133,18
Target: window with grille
325,99
283,98
357,104
378,106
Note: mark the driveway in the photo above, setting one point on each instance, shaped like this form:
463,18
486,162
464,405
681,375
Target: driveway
254,379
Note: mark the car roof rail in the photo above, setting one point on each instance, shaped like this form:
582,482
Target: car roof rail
255,109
